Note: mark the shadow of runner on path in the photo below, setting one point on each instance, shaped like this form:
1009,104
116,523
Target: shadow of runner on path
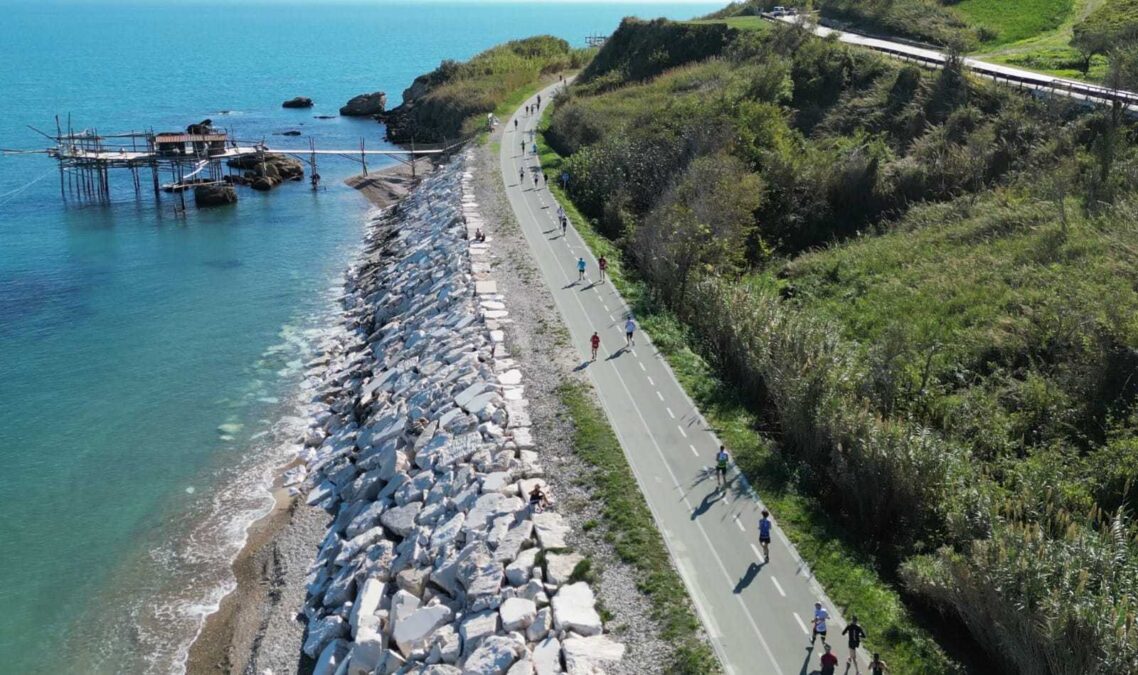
806,663
708,501
752,571
617,354
582,366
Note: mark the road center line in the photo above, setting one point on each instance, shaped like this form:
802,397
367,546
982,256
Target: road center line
758,555
682,432
639,363
661,396
739,524
670,413
650,380
801,623
693,450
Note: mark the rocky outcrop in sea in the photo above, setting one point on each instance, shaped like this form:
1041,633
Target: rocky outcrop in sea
267,171
365,104
434,561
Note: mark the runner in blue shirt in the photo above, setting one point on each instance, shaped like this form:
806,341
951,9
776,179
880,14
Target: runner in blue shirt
580,269
765,535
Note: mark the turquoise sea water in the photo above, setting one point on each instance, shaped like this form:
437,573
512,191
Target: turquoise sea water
150,363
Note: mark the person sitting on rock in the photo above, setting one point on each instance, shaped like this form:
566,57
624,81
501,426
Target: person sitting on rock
538,500
479,235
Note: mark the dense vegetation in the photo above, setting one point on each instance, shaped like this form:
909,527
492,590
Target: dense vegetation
452,101
925,287
1070,38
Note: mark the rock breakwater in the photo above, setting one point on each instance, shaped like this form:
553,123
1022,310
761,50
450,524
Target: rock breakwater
434,561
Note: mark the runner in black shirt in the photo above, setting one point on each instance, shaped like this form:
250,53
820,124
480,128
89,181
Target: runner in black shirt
856,634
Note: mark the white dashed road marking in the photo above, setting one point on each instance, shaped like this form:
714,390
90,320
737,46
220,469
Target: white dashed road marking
778,587
801,623
661,396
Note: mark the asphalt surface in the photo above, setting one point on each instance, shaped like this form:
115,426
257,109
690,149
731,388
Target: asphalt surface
756,612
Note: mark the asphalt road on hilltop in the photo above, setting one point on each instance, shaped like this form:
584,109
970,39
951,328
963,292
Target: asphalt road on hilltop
756,612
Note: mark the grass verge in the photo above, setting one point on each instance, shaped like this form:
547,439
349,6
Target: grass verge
850,578
631,531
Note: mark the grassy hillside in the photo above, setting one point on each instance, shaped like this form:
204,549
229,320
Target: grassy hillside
1069,38
922,288
452,101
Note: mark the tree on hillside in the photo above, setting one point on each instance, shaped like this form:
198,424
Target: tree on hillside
702,224
1122,76
1114,25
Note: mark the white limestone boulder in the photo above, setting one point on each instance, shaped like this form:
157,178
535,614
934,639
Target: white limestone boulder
589,655
413,631
550,529
559,567
494,656
517,614
574,608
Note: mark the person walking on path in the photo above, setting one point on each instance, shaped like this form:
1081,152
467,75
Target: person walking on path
877,666
535,181
515,124
856,634
521,176
721,459
580,269
535,148
629,331
820,618
829,662
602,265
595,343
564,224
523,146
765,535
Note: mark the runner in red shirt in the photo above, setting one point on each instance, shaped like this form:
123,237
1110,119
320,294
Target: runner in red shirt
829,662
596,342
603,265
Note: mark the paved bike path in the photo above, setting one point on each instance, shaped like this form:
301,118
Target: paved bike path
756,612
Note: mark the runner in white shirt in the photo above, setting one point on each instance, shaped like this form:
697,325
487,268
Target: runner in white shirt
629,329
820,618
